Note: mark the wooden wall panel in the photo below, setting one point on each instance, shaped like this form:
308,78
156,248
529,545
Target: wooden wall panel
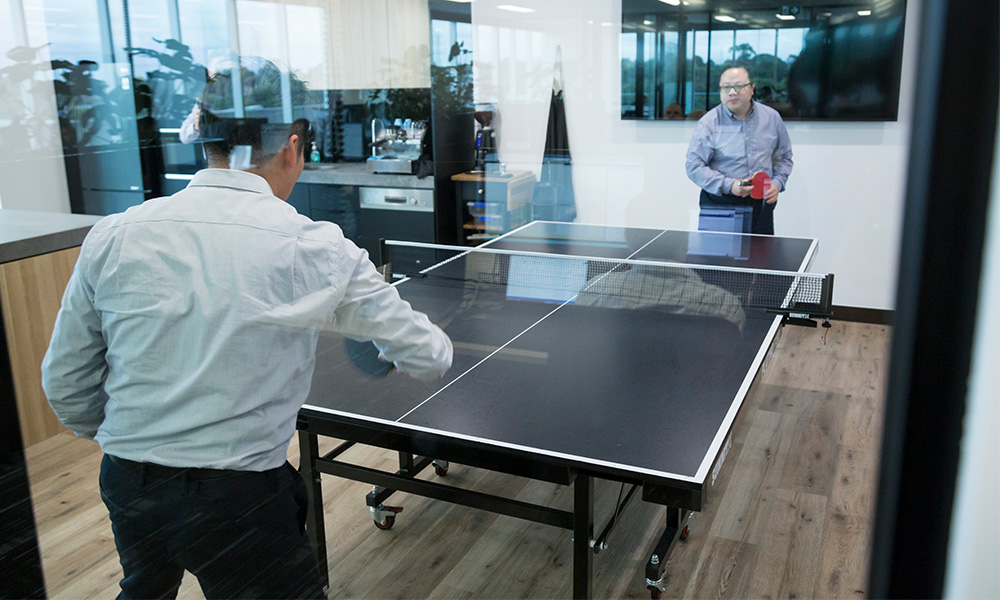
31,291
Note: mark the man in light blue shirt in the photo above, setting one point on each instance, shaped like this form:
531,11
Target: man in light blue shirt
185,347
733,141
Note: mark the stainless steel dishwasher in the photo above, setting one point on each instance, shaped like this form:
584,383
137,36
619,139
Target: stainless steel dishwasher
394,214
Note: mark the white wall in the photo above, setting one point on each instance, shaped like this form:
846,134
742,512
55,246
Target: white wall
32,171
847,187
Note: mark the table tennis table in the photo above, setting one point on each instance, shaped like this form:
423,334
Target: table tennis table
582,352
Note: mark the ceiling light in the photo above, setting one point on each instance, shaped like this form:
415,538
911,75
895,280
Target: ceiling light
725,18
786,17
671,2
513,8
647,22
864,13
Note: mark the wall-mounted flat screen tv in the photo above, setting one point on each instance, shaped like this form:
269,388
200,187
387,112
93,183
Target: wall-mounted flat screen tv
814,61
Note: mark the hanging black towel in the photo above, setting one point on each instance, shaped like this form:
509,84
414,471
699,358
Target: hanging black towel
554,199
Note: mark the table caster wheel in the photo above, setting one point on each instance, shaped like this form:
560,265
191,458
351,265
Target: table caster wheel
385,516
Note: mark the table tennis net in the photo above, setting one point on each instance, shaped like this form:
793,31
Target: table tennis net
727,292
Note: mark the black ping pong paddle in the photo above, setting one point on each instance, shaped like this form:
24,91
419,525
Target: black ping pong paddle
364,355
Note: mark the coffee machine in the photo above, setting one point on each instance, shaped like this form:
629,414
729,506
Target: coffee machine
486,137
396,148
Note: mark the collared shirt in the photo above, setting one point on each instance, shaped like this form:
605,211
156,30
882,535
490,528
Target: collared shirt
187,334
724,149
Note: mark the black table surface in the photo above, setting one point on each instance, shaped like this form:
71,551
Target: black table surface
637,392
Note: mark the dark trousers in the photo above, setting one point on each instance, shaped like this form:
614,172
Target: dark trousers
241,533
762,218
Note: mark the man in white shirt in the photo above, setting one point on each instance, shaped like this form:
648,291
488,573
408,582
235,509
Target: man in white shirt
185,347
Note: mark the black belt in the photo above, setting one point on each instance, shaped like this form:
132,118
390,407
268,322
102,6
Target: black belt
708,199
155,471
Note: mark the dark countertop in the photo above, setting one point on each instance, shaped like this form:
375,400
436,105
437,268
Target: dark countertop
360,174
27,233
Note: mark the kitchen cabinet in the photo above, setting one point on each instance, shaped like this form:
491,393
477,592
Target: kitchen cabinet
367,213
38,251
25,416
31,290
299,198
394,214
379,44
335,203
409,44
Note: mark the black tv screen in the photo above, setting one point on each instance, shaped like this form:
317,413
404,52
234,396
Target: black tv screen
811,61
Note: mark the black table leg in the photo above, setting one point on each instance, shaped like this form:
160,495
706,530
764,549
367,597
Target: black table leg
583,532
315,527
676,530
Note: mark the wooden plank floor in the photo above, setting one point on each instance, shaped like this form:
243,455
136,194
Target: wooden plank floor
789,517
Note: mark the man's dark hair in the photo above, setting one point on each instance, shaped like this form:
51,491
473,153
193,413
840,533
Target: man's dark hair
738,64
221,132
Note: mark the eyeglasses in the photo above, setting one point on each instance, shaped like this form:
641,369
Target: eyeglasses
738,87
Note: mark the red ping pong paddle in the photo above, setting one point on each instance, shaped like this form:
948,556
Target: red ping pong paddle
761,183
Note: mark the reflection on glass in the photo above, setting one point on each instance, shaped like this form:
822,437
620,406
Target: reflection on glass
445,35
205,31
148,27
92,111
259,26
672,289
307,32
72,29
812,61
126,76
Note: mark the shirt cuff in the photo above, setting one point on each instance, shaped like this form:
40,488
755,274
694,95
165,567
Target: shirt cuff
87,435
727,186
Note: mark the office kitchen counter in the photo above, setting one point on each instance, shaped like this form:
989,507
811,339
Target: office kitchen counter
489,205
26,233
360,174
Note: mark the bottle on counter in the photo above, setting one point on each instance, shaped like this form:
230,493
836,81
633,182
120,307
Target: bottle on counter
314,156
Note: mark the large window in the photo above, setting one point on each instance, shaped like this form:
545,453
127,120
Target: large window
127,74
159,53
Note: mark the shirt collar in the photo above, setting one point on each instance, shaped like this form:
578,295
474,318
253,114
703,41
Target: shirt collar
231,178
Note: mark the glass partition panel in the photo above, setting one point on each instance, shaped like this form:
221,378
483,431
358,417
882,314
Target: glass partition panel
557,119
